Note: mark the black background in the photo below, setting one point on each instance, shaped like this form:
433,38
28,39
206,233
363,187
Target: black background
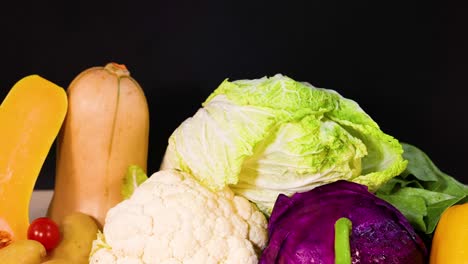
404,63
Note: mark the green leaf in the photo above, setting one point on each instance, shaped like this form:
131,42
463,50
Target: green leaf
425,169
422,192
133,178
412,207
434,211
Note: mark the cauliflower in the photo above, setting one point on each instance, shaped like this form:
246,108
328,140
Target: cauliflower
172,218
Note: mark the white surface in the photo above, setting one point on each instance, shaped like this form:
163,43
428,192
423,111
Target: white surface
40,201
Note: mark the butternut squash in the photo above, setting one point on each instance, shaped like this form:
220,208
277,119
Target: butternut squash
30,119
105,131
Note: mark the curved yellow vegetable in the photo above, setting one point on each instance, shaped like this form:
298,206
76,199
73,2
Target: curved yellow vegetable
450,242
30,119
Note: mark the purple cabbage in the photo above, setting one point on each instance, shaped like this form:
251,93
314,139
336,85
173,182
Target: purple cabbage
301,228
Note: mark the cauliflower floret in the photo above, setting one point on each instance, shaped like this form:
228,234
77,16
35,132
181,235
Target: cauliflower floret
171,218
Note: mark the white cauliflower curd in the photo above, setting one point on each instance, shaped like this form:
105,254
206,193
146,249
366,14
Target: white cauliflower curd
171,218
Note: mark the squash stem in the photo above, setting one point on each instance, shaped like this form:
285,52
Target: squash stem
118,69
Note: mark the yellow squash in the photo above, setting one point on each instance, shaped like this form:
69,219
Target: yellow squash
30,119
105,131
450,241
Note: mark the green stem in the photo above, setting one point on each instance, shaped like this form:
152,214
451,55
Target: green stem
342,249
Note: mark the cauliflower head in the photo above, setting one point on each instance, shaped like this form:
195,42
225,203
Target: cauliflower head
172,218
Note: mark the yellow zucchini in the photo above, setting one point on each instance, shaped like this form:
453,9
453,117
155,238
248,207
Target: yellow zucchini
30,119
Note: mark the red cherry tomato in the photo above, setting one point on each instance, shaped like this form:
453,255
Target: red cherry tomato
45,231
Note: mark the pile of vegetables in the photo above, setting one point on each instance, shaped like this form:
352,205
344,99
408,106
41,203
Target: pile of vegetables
101,124
270,170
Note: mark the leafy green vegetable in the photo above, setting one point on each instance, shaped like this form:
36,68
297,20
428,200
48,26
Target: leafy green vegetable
133,178
275,135
422,192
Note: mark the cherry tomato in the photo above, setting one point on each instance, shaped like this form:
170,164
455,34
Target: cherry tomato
45,231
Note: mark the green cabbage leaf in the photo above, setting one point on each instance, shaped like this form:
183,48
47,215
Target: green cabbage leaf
275,135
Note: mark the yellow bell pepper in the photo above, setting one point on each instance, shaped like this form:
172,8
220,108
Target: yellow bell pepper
450,241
